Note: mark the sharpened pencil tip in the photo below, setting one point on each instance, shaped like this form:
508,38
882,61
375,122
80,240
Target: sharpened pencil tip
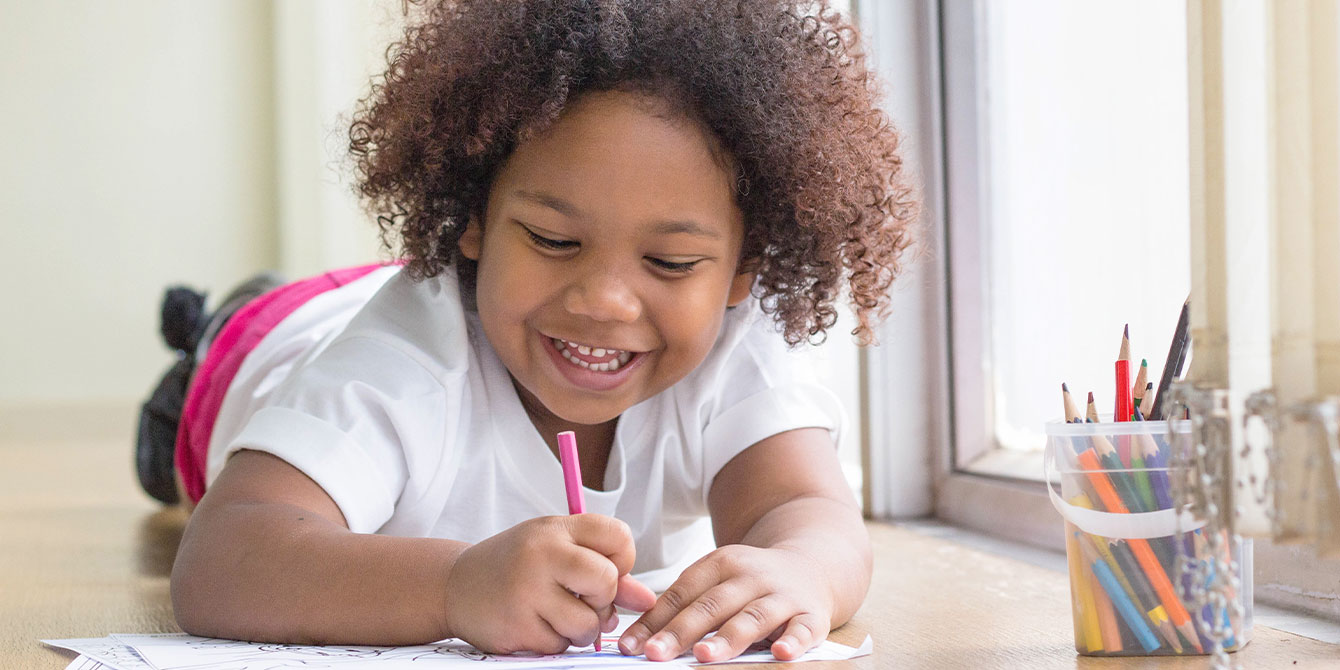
1144,362
1126,332
1090,396
1064,388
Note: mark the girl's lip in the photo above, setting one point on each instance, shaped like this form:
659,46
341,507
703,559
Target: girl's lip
589,379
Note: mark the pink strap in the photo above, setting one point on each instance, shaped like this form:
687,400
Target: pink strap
247,327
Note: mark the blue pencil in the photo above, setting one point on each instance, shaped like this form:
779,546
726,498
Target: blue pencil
1135,620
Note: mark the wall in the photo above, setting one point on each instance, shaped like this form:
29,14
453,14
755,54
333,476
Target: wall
139,152
152,142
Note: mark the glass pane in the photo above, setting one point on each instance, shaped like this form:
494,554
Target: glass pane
1086,136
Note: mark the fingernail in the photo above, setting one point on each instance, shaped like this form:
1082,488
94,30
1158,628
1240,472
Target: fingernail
713,646
655,646
631,643
784,646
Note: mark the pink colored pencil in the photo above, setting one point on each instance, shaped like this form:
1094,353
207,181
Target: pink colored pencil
572,481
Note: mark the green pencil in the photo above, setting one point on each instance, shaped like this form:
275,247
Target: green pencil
1107,456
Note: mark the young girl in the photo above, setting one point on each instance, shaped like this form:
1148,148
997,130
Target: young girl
614,216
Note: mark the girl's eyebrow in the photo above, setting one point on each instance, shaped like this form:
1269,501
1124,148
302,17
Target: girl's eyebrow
667,227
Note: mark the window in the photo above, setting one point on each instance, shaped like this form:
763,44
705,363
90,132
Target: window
1076,209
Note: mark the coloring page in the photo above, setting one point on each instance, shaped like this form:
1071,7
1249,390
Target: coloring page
104,651
187,652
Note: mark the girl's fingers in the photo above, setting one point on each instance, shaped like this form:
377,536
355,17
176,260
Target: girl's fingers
610,619
691,583
750,624
588,574
803,633
606,535
634,595
698,618
571,619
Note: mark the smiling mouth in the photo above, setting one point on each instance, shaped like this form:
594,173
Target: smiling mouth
596,359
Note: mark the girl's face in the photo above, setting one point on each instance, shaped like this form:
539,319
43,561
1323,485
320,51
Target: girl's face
608,255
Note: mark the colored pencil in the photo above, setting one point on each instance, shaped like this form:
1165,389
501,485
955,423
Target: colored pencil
1157,615
1143,553
1130,612
1157,477
1121,554
1122,410
1172,367
1138,390
1071,412
572,482
1086,620
1107,456
1107,615
1123,370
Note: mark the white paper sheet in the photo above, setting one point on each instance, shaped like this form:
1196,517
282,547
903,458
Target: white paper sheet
82,662
106,651
186,652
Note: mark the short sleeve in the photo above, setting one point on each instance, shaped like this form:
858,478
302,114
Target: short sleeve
760,388
355,419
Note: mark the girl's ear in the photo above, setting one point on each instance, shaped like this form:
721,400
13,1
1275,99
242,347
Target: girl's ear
471,240
740,287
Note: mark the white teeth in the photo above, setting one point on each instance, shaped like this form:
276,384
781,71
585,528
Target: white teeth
566,348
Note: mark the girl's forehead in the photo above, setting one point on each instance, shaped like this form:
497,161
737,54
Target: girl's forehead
613,151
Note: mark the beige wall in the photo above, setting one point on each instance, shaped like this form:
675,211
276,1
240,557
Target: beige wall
138,153
149,142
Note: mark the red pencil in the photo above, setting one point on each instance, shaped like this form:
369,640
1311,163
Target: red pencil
1123,409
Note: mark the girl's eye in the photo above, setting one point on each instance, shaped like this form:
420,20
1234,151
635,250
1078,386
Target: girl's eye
677,268
549,243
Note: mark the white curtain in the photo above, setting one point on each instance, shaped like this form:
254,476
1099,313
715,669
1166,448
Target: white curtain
326,52
1266,247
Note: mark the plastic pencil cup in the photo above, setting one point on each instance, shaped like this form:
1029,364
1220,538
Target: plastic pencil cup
1139,574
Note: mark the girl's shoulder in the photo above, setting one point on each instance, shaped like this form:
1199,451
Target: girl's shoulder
422,319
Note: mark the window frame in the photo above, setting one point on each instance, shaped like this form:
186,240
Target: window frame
932,454
980,484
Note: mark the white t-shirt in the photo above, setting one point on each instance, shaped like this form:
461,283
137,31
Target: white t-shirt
387,394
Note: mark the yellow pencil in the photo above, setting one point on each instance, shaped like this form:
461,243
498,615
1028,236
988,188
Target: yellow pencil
1086,625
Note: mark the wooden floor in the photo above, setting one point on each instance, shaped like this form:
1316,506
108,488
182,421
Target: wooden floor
84,554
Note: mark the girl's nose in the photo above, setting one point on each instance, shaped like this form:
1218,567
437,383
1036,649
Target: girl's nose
602,294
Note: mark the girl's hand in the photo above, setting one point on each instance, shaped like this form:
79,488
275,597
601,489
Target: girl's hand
744,593
543,585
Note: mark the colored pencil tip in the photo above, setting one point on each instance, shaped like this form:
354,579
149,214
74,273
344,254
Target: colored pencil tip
1064,388
1090,396
1126,332
1144,362
1149,385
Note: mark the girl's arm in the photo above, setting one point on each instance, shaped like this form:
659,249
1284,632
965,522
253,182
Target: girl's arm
267,557
793,560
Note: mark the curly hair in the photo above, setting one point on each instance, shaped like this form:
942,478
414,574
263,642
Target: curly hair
781,84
